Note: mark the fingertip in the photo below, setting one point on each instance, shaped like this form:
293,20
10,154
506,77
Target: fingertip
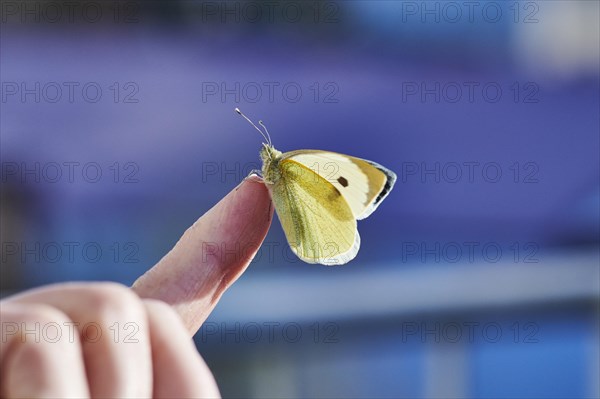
247,217
255,177
247,210
212,253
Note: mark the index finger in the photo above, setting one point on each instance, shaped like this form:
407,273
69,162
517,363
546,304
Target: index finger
211,254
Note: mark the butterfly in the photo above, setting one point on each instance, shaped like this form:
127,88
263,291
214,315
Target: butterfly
319,196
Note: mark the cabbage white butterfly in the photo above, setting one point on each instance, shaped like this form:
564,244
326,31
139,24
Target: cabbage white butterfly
319,196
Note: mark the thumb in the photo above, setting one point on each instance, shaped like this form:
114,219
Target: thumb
211,254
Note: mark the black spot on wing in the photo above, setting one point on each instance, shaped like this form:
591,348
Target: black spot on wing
343,181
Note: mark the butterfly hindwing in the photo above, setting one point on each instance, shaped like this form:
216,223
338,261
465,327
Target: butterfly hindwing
363,184
318,222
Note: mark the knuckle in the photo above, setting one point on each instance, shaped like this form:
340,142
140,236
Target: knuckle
33,313
163,310
34,326
159,306
112,299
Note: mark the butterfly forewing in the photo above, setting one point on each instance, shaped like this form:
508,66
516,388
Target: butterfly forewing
363,184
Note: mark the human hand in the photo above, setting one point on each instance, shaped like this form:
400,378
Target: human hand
107,340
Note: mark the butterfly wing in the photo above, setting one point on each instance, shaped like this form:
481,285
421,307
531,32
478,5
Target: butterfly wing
363,184
318,222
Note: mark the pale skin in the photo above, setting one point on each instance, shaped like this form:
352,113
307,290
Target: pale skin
168,304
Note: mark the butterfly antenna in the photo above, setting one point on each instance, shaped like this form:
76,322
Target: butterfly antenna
266,131
268,139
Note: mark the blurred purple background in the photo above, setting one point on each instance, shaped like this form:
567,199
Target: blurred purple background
118,131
